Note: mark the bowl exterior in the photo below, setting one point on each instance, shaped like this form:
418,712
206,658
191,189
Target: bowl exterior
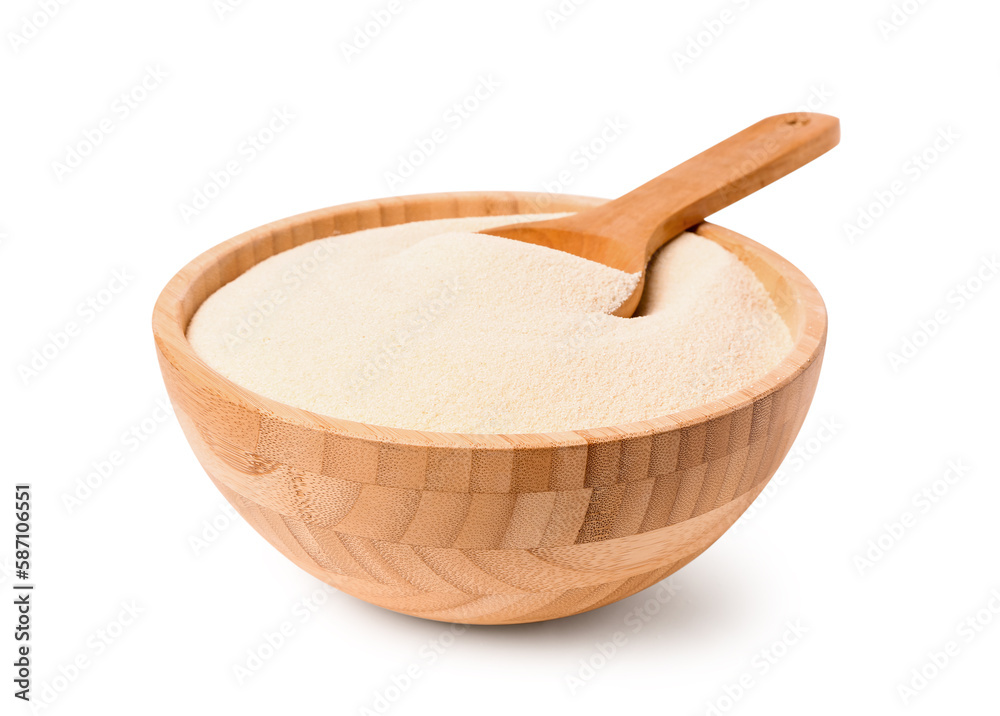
472,529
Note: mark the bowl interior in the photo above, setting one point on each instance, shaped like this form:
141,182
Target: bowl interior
797,300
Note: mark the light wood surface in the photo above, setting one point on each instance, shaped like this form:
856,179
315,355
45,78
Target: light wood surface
483,529
626,232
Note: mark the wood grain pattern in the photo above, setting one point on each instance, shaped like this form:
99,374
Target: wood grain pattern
484,529
626,232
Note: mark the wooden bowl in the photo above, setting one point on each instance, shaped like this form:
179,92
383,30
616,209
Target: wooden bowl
483,529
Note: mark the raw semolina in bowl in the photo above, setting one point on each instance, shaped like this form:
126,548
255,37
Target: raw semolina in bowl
483,528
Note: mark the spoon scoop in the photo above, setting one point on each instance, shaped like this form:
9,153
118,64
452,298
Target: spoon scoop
626,232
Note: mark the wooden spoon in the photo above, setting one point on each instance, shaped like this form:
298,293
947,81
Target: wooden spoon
626,232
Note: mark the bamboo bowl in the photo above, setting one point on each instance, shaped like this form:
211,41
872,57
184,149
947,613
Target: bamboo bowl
483,529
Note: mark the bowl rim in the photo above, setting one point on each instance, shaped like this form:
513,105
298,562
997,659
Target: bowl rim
170,329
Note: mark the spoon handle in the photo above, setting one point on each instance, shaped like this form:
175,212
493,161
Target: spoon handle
722,175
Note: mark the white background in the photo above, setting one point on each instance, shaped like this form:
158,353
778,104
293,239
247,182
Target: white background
878,434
